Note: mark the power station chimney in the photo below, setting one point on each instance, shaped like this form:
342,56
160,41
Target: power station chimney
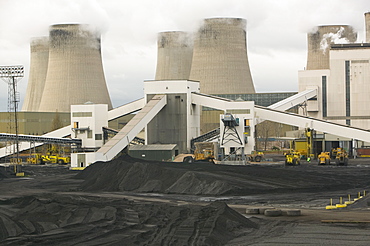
38,69
75,72
175,53
367,24
319,43
220,60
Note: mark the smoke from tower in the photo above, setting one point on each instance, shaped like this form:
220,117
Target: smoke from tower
38,69
175,52
319,44
75,71
220,60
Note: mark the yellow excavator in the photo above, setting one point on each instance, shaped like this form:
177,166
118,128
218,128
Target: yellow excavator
292,158
323,158
256,156
53,159
52,156
204,151
341,157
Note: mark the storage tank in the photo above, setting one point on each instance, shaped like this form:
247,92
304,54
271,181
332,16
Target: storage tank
320,40
220,59
75,73
38,68
175,53
367,25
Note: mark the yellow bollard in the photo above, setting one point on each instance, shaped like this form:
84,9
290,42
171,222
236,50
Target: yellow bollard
358,196
340,204
349,200
331,205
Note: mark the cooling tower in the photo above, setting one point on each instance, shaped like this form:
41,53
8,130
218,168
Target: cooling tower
175,53
38,68
220,60
367,25
319,44
75,72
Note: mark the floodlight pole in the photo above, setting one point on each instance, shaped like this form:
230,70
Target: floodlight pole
15,101
10,74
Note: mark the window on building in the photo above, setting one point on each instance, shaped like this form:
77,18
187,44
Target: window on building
324,99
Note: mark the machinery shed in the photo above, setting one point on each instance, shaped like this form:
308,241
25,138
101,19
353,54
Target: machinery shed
154,152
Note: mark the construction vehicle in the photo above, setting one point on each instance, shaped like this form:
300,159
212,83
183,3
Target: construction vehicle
323,158
334,151
204,151
42,159
292,158
341,157
256,156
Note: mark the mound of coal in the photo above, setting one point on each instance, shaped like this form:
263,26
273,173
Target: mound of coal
362,203
128,174
76,220
4,173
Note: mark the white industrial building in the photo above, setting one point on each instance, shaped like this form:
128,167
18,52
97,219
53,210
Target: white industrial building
344,89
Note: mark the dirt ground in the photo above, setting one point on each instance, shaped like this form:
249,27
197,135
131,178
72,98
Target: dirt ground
132,202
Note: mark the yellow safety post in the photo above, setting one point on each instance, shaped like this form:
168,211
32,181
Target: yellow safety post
358,196
331,205
349,200
340,204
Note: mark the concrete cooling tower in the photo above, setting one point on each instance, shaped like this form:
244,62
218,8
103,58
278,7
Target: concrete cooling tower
220,60
37,76
367,26
75,71
175,53
319,44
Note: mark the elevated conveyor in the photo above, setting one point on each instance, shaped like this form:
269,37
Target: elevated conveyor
66,131
308,122
219,103
294,100
37,139
109,150
268,113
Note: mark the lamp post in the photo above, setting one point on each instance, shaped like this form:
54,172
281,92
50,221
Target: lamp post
10,75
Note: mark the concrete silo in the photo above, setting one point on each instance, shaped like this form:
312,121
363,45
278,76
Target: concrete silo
38,69
220,60
367,26
75,72
175,53
320,40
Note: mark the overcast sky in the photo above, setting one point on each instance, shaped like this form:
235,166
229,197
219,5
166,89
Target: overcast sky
276,34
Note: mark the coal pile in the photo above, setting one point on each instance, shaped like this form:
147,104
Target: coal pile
83,220
132,175
5,173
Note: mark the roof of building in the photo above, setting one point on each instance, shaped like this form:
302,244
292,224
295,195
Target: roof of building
153,147
350,46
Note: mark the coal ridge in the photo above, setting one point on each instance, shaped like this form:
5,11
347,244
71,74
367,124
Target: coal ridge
133,175
55,219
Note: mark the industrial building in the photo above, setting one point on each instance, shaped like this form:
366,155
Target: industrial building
332,88
342,83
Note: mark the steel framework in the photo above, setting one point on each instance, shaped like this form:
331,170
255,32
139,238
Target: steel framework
11,75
